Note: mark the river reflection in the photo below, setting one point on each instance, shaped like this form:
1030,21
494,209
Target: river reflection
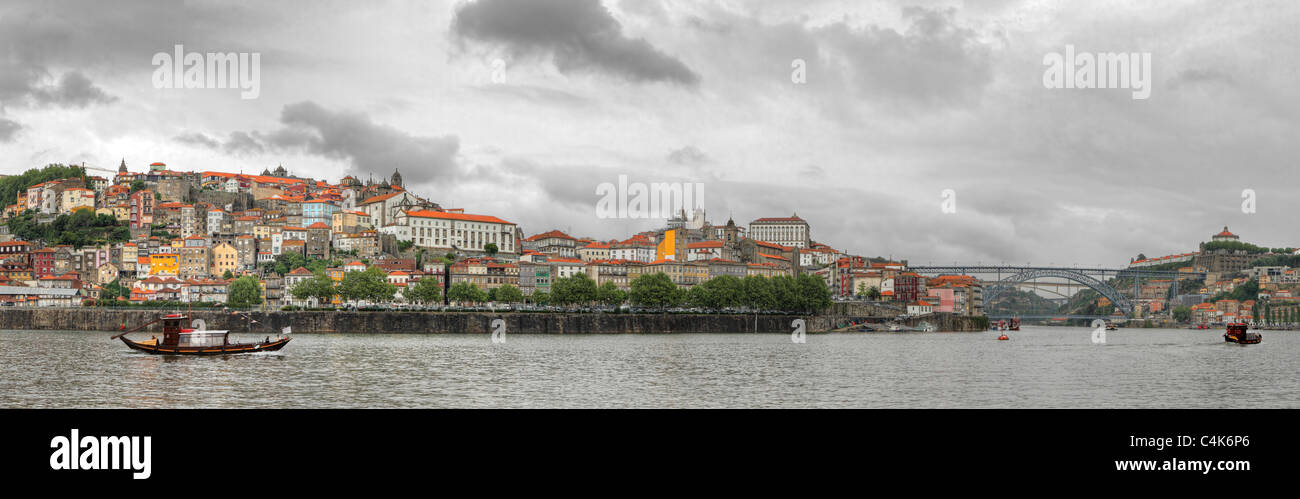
1039,367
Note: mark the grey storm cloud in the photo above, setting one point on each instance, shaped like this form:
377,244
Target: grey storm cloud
689,156
933,61
8,129
198,139
42,41
352,136
578,35
21,85
1194,76
72,90
571,185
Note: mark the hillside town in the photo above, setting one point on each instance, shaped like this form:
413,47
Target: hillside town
1242,283
163,236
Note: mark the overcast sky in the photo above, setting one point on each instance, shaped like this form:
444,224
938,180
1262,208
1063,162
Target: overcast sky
901,101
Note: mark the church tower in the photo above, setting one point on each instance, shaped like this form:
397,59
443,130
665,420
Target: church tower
397,178
122,168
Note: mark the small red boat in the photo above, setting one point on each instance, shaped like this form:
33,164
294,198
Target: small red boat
1237,333
1003,338
180,338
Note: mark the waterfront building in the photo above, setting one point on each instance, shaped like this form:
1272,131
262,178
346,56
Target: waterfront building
919,308
225,258
594,251
907,287
615,271
785,231
76,197
565,267
1225,235
554,243
194,257
718,267
638,248
42,262
704,250
365,244
164,264
318,211
142,202
383,209
443,230
764,270
534,277
349,221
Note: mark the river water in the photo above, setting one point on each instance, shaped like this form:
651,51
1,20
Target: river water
1039,367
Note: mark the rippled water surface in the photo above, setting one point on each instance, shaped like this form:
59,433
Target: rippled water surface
1039,367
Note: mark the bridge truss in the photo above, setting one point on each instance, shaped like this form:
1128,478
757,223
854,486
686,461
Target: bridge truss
1094,278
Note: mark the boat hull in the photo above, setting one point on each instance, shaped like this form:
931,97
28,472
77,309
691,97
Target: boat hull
152,347
1248,340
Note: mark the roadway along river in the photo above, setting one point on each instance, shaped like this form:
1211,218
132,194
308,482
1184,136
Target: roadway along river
1039,367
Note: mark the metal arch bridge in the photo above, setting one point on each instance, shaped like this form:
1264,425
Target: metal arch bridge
1092,277
999,316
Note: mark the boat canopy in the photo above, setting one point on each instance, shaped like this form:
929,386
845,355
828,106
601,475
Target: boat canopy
203,338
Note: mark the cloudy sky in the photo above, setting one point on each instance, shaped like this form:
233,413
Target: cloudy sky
901,100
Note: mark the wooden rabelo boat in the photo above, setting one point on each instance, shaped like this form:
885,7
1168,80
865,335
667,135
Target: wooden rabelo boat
181,338
1237,333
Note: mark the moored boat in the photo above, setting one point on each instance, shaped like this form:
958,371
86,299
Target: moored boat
181,338
1238,333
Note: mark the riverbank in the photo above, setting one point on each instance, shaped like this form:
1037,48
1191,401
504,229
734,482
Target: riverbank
104,319
111,319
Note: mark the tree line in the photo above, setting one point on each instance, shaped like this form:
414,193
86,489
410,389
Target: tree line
806,293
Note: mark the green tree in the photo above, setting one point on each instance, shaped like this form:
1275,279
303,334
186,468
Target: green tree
655,290
717,293
369,285
227,275
491,249
427,290
244,292
540,298
80,228
758,293
137,185
464,292
509,294
113,290
1233,246
320,287
786,295
10,186
813,295
575,289
609,294
1183,313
